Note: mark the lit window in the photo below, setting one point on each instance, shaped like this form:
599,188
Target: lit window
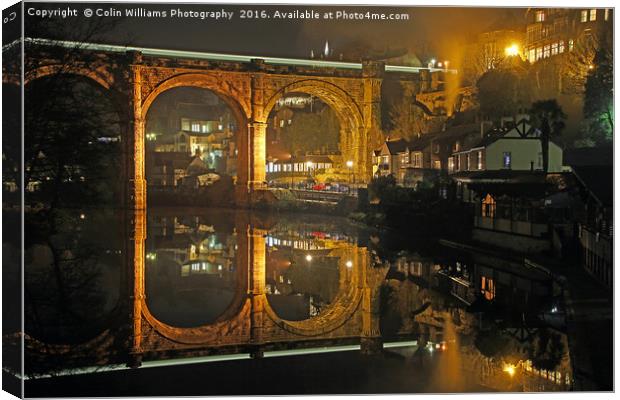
606,14
540,16
507,157
570,45
532,55
546,51
488,288
584,15
554,49
539,53
561,46
417,160
480,159
451,164
185,124
437,164
195,127
488,206
281,123
593,14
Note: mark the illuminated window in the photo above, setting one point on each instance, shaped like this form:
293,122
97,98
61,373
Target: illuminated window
593,14
488,206
554,49
488,288
539,53
281,123
546,51
561,46
532,55
584,15
417,160
437,164
570,45
507,159
606,14
195,127
540,16
451,164
479,157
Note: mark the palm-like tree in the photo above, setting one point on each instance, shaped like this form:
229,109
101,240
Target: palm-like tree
547,116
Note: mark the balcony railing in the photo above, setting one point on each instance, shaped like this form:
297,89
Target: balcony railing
511,226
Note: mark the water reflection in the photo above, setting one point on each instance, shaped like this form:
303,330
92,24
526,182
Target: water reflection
190,271
107,288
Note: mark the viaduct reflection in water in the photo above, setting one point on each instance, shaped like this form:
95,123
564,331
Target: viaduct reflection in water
107,289
203,283
218,282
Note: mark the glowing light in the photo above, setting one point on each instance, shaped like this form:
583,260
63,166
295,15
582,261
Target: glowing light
433,61
512,50
82,216
309,164
590,66
445,64
350,164
349,264
510,369
439,65
308,257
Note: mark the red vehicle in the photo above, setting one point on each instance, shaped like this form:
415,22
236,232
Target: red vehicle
319,186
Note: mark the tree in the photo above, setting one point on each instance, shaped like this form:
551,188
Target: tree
309,132
546,350
502,92
598,97
548,117
407,119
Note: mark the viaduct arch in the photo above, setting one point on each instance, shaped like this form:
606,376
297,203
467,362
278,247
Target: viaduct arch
251,87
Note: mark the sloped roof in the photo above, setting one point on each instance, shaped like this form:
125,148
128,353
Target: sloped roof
397,146
599,181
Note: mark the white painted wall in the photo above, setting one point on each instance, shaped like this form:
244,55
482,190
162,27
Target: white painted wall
523,151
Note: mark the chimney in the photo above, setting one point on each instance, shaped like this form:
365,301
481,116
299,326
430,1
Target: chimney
484,127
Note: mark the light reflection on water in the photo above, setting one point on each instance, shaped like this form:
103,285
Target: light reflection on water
197,283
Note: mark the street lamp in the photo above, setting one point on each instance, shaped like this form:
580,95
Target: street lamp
308,257
512,50
309,164
350,166
291,166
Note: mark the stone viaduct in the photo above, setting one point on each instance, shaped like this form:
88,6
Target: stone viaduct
134,77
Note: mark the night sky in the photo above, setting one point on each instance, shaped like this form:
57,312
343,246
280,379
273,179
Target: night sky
429,31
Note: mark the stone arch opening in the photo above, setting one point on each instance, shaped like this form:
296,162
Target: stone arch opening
311,291
82,126
191,138
225,91
351,123
195,281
